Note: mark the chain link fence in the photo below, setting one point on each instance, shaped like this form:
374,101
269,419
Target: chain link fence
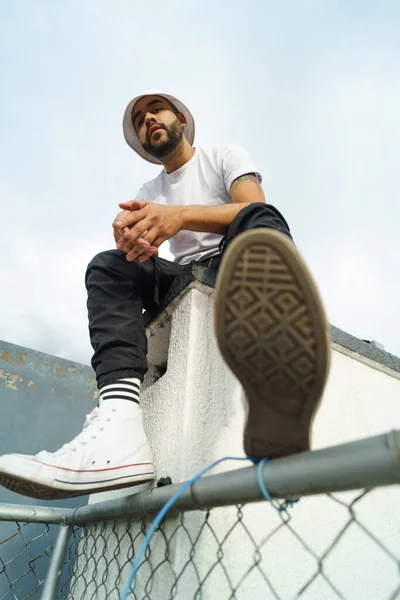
343,546
25,550
327,546
336,546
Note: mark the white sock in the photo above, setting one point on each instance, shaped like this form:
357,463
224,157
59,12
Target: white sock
120,389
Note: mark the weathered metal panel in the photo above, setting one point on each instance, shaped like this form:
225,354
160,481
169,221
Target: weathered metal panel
43,403
43,400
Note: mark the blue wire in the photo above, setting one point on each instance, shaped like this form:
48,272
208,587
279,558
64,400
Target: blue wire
161,514
260,482
159,517
264,490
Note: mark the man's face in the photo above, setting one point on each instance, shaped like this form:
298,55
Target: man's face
157,125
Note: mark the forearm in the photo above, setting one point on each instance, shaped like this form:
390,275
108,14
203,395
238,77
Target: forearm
211,219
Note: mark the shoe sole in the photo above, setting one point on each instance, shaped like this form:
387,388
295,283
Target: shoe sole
41,491
273,334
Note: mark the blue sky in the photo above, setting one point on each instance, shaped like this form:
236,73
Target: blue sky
310,88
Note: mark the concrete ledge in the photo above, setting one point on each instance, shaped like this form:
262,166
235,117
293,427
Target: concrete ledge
350,342
191,273
198,274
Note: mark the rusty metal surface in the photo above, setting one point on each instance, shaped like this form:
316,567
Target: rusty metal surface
43,403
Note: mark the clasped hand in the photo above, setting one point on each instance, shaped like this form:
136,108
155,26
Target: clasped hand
142,226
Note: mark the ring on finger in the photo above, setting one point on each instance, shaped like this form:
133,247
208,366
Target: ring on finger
143,234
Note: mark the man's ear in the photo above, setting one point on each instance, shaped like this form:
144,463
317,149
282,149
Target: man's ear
182,118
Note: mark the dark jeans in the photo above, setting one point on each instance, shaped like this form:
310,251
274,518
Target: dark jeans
118,291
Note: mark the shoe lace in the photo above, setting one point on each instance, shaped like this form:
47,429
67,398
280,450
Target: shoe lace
93,422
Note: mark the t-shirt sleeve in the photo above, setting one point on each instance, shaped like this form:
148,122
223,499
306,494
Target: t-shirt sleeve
141,194
236,161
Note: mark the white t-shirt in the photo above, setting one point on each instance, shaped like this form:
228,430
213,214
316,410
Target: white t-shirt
205,179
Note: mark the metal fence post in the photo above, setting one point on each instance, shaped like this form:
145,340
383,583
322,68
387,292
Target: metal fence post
56,563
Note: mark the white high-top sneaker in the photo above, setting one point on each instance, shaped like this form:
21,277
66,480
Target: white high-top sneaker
111,452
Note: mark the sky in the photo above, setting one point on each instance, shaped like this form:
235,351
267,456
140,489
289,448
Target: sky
311,88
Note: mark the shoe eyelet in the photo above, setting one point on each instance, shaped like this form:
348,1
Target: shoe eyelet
108,462
93,462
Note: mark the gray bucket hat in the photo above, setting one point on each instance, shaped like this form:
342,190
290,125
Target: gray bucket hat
131,135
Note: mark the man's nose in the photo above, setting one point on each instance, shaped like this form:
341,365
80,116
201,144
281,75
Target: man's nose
149,118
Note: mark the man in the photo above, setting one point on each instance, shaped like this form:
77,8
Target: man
269,321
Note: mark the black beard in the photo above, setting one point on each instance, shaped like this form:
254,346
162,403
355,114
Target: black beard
174,138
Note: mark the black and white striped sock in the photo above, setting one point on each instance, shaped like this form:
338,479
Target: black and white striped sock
121,389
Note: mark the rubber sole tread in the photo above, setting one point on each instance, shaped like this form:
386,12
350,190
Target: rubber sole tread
272,332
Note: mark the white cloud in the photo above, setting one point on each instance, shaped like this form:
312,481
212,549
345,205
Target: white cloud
313,95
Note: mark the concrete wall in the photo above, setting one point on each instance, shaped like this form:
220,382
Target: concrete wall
194,415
